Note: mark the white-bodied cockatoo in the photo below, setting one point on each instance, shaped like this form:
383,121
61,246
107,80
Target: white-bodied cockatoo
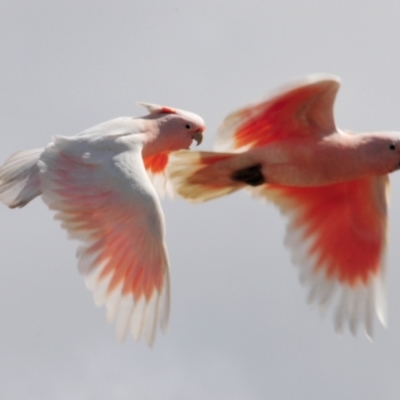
98,183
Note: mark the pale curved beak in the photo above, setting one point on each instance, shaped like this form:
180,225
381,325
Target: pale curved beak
198,137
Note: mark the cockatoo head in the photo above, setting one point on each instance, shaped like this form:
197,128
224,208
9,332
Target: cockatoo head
177,127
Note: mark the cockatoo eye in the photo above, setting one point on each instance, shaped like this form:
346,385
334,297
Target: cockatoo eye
392,147
188,126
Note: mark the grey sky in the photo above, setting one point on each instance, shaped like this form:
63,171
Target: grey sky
240,326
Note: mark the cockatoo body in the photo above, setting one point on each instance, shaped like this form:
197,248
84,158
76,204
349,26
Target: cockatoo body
331,184
98,186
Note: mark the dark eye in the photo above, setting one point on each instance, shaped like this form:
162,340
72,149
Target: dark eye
187,126
392,147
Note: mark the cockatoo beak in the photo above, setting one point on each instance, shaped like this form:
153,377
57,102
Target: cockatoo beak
198,137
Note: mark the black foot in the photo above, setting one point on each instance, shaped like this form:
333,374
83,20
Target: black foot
252,175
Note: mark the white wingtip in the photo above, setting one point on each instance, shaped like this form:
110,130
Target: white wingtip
354,306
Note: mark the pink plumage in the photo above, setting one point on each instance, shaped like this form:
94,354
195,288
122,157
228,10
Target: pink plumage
331,184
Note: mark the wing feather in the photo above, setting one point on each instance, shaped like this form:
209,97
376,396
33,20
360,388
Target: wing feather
112,208
337,235
302,109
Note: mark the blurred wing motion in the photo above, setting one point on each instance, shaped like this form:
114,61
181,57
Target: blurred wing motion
300,110
303,109
337,235
112,208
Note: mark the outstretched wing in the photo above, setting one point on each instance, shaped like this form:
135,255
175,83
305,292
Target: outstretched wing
337,235
303,109
108,203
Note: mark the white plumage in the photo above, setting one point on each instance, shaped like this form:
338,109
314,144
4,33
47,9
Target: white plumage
97,184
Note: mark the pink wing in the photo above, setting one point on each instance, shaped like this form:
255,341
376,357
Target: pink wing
303,109
112,208
337,234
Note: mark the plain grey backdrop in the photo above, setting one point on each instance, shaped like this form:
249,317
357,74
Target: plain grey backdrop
240,327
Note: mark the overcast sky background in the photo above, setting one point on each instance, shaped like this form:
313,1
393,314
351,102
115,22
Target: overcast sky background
240,326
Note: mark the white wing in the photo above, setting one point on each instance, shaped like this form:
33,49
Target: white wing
103,197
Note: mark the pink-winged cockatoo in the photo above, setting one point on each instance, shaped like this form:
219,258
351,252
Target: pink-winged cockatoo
98,183
331,184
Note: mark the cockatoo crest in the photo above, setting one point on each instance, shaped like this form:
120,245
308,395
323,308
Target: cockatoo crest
156,109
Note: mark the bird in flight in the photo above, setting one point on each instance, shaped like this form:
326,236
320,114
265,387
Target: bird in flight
332,185
99,185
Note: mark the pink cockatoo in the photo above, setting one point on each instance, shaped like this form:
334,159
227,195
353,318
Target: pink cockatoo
331,184
98,185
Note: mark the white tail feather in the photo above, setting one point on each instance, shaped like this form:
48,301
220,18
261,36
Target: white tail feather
19,178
